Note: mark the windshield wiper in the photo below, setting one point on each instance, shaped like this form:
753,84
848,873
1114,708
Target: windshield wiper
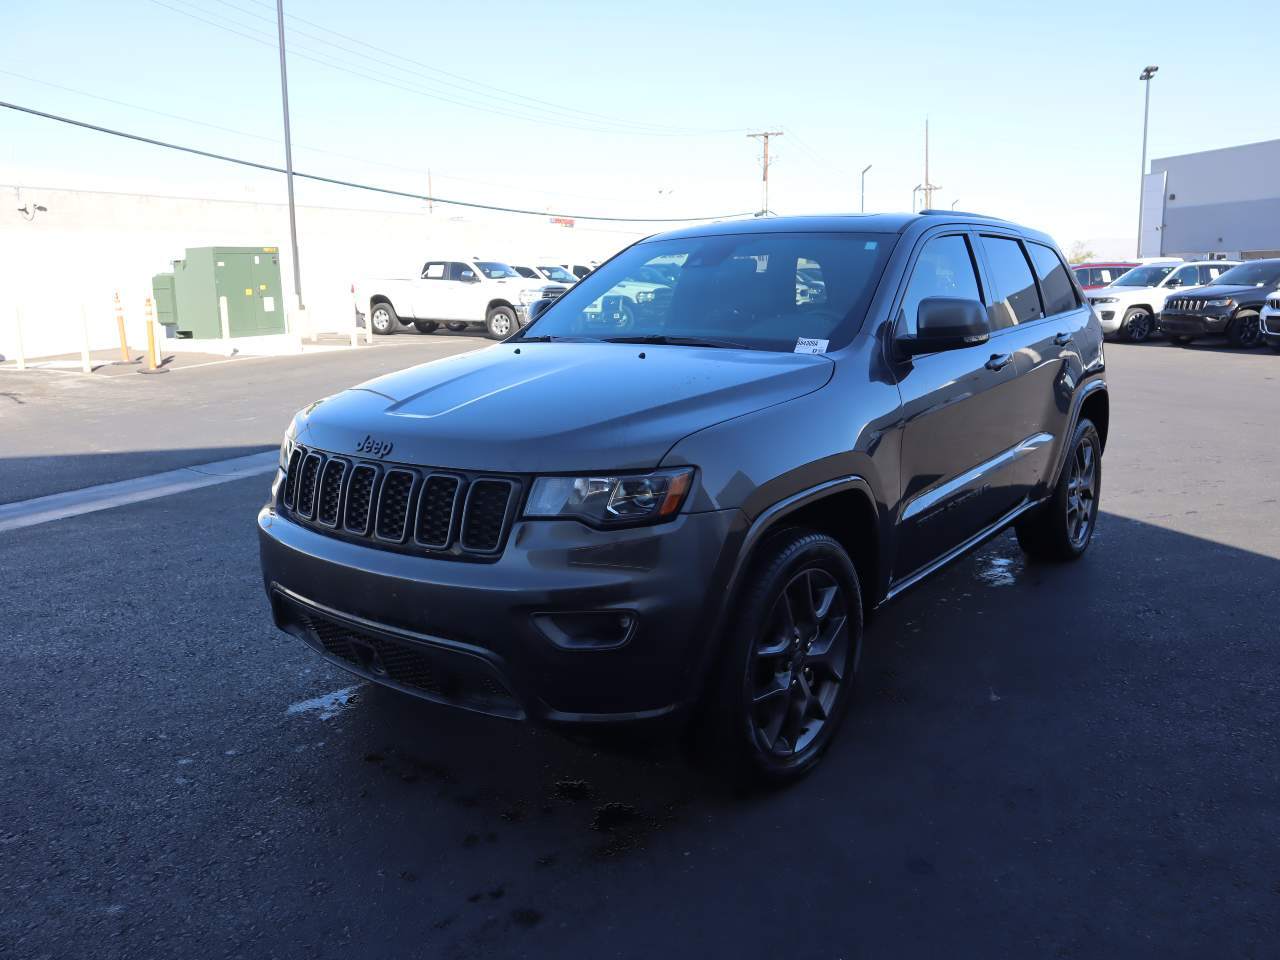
662,338
552,338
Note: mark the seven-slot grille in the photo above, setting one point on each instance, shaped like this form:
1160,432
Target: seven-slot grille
1187,304
1274,303
392,505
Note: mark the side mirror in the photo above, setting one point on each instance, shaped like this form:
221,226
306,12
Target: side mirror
946,323
538,308
1173,283
469,277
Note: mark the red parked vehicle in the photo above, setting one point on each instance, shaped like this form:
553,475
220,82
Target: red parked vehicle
1099,273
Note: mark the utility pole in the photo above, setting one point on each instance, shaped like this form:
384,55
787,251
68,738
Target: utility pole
928,187
288,155
862,206
430,192
764,136
1146,75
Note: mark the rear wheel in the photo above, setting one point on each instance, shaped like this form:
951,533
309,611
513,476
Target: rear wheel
789,661
500,323
383,319
457,326
1181,341
1062,528
1137,326
426,326
1245,330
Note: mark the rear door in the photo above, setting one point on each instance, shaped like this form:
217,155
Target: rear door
1045,317
956,427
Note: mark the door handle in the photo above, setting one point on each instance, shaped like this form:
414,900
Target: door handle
999,361
1062,339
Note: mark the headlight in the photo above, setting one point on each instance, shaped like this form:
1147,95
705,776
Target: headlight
644,296
528,296
612,500
1104,300
1223,302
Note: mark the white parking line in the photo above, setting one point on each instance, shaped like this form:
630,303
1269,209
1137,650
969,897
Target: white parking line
104,496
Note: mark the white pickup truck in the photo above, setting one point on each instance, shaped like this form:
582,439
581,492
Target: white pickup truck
455,293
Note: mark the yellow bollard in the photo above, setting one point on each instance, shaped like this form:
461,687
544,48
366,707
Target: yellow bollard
151,366
124,345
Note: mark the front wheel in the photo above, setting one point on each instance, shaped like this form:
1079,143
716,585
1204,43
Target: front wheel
500,323
1245,330
1062,528
383,319
426,326
790,659
1137,326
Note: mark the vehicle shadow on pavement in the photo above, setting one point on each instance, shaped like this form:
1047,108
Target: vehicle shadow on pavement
1090,738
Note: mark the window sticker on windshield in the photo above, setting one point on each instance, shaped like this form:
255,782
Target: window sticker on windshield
811,345
871,245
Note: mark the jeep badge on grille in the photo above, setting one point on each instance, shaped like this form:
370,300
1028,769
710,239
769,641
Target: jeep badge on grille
374,448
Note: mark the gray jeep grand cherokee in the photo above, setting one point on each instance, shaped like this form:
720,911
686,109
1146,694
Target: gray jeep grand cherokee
680,499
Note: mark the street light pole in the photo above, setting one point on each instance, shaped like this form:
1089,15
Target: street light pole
862,207
1145,76
288,155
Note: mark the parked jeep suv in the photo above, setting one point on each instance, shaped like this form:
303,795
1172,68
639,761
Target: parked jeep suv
1229,307
583,525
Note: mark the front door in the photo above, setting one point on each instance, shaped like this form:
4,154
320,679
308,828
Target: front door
957,434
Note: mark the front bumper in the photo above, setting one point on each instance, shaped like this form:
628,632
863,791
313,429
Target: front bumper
1109,316
464,633
1269,321
1194,324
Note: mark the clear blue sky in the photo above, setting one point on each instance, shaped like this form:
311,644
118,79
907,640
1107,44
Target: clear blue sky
1035,109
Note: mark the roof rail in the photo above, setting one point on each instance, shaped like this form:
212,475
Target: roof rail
959,213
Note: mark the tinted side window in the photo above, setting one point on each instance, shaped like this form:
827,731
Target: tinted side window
1187,276
1059,295
460,271
944,269
1015,298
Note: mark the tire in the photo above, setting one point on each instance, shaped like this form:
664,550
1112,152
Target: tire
383,319
500,323
1137,326
1062,528
426,326
775,704
457,326
1245,330
1181,341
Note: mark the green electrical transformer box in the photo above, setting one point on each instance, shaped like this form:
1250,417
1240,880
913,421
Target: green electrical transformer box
249,277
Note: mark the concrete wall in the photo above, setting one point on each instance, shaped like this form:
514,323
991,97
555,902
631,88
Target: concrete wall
90,244
1222,201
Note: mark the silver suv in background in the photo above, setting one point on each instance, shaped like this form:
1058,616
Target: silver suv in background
1128,307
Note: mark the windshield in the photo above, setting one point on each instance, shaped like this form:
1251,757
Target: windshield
1262,273
558,274
762,291
496,271
1144,276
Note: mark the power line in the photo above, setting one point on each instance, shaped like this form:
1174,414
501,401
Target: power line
480,86
349,183
416,171
371,74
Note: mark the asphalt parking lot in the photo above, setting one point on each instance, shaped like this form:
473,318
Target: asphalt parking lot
1044,761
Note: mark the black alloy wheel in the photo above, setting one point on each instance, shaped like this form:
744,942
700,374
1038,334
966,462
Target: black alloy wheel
1062,527
799,663
1138,325
1245,330
789,663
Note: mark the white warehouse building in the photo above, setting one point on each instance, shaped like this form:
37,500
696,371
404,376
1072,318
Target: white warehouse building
1222,203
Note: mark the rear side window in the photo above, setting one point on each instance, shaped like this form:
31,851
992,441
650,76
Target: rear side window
1084,276
1055,286
1211,272
433,271
1014,299
944,269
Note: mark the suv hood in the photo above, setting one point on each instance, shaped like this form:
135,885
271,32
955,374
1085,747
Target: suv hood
557,407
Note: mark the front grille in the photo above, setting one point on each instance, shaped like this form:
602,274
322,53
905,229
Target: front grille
432,671
1274,303
451,515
